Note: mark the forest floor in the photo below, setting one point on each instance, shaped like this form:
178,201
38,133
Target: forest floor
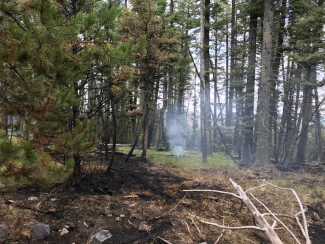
136,203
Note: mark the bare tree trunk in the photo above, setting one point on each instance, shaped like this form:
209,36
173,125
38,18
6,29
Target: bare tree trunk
207,75
111,160
202,88
227,71
194,115
306,114
250,90
262,145
320,155
232,64
286,109
293,136
170,108
275,70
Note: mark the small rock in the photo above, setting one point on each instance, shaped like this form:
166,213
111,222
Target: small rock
53,199
122,215
144,227
118,219
64,231
100,237
10,201
132,205
40,231
3,231
2,186
32,198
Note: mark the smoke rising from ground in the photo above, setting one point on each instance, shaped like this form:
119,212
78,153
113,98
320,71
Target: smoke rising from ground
176,130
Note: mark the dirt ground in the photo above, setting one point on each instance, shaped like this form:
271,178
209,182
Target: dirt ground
143,202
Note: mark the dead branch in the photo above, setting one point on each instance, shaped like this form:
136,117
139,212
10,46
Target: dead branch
189,231
223,230
259,218
163,240
198,230
222,192
233,228
274,216
170,209
301,210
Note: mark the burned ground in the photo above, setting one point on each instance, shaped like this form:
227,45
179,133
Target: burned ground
135,200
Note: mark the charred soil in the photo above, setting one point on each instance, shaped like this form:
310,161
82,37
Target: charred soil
143,202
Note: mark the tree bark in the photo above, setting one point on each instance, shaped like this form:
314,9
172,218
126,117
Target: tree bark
232,63
320,155
202,88
207,75
111,160
247,149
306,113
262,145
276,70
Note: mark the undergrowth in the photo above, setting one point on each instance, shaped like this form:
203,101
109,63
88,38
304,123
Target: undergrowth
192,159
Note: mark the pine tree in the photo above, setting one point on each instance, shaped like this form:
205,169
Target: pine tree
37,86
138,23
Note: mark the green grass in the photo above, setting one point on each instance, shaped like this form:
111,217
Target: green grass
217,160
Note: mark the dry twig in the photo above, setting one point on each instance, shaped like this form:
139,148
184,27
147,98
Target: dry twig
163,240
170,209
189,231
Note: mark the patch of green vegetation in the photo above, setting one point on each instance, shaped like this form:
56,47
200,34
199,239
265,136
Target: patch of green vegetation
189,159
14,182
320,189
280,182
304,188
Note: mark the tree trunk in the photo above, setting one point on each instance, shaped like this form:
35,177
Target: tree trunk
320,155
202,88
227,71
248,137
194,115
262,145
232,63
276,70
108,169
306,114
170,108
207,75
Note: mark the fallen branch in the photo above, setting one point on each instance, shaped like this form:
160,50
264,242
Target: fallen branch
163,240
223,230
305,233
276,219
189,231
222,192
233,228
259,218
198,230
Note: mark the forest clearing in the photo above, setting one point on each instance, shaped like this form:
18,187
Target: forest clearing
136,202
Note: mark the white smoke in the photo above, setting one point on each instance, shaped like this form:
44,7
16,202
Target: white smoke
176,130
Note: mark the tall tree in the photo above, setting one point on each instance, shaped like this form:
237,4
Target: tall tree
247,155
262,139
203,113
